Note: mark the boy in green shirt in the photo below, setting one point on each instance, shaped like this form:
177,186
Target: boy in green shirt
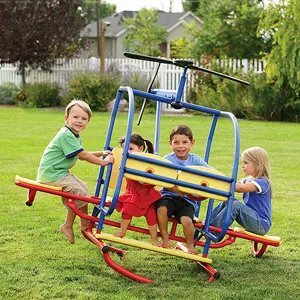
62,153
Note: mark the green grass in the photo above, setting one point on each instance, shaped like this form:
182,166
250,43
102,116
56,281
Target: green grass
36,262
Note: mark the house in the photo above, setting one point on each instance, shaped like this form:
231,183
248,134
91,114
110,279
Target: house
115,32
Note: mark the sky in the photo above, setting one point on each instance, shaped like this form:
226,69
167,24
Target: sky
138,4
158,4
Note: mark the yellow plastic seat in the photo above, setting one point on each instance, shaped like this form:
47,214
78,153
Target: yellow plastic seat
266,237
144,167
33,182
204,181
145,245
117,153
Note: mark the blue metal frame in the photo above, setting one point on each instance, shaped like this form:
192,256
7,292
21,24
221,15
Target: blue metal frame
168,97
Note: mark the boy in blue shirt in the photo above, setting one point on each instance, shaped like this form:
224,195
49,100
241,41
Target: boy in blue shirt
173,202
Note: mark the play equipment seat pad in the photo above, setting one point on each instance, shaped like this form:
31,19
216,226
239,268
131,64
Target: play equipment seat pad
148,246
204,181
144,167
35,183
267,237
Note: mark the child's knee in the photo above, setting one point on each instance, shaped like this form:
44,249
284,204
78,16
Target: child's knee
162,210
186,221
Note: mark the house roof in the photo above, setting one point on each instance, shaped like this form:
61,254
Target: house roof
116,28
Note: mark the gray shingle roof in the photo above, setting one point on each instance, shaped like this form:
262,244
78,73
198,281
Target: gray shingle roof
115,29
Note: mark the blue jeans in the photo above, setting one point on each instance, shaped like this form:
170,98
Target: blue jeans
244,215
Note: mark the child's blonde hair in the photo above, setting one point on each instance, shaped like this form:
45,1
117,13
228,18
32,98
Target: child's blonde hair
83,105
259,157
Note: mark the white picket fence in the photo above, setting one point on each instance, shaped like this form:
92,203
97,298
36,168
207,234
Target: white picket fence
168,78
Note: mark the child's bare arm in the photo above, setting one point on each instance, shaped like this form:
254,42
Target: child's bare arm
93,159
175,190
245,187
101,153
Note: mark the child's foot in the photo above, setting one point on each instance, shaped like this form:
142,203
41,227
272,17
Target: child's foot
119,234
191,249
68,232
157,243
167,244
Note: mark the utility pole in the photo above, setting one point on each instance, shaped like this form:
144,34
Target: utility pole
101,28
100,37
102,42
171,5
98,28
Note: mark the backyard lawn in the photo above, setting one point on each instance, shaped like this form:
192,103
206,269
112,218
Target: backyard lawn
37,262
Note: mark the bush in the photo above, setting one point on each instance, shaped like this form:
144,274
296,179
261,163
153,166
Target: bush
273,102
8,93
225,95
140,82
261,100
95,90
43,94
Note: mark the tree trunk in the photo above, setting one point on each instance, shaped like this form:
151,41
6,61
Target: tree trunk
22,72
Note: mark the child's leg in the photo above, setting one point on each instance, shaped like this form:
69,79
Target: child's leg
188,230
218,214
126,219
152,225
153,235
162,217
67,227
84,224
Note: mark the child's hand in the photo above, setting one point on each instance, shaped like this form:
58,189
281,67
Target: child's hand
109,159
106,153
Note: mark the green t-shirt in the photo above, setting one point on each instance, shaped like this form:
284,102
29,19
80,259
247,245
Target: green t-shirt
59,156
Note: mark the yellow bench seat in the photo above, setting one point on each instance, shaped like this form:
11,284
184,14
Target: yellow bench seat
33,182
266,237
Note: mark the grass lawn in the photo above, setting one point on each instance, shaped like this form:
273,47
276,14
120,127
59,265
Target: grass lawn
37,262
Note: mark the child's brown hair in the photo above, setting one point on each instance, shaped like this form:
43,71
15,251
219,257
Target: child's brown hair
138,140
182,130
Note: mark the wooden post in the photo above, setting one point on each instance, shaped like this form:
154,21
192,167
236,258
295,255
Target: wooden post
98,28
102,39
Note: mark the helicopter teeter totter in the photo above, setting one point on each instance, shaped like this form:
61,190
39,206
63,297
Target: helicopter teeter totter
201,182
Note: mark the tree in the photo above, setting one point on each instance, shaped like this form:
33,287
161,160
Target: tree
190,5
230,29
282,21
90,13
182,47
144,34
34,34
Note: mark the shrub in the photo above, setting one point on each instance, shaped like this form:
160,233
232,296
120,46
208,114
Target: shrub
95,90
261,100
218,93
140,82
8,93
42,94
273,102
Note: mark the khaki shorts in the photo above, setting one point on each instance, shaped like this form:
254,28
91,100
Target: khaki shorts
73,185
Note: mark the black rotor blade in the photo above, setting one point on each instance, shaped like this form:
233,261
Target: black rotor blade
194,67
148,91
149,58
183,64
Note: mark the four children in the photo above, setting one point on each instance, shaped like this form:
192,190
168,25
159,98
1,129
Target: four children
66,148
